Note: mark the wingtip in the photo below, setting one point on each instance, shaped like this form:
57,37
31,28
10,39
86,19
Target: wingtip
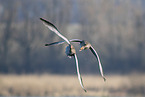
104,79
46,21
46,45
41,18
85,90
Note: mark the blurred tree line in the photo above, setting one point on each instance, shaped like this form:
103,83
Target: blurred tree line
114,27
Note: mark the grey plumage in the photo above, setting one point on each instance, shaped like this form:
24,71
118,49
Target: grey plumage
84,45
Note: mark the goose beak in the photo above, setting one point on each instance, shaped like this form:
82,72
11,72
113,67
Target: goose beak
81,48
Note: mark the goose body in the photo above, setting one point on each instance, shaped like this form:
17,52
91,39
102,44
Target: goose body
70,51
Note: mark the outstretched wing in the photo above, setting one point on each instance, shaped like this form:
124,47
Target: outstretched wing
76,40
54,29
97,56
78,72
61,42
54,43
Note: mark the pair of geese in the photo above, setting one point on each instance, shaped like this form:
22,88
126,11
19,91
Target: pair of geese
70,50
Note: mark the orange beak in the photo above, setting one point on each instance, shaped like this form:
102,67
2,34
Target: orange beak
81,48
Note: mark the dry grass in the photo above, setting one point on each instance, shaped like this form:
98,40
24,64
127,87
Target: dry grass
62,85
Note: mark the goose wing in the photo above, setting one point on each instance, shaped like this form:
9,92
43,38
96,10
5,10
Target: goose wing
61,42
54,43
76,40
54,29
97,56
78,72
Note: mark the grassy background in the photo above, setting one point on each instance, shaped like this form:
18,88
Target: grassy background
62,85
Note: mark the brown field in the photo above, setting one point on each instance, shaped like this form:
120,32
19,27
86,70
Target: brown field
68,85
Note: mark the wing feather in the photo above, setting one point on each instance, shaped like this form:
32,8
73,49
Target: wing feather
54,43
78,72
61,42
54,29
100,66
76,40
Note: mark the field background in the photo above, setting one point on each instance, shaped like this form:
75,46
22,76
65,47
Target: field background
68,85
115,28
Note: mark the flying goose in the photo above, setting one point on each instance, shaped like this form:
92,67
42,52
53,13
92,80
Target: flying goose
84,45
70,50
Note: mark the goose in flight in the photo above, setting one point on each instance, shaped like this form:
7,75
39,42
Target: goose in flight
84,45
70,50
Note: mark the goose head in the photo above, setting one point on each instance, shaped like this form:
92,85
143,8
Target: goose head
84,45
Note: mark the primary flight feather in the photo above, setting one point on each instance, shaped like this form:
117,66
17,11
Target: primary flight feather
54,29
